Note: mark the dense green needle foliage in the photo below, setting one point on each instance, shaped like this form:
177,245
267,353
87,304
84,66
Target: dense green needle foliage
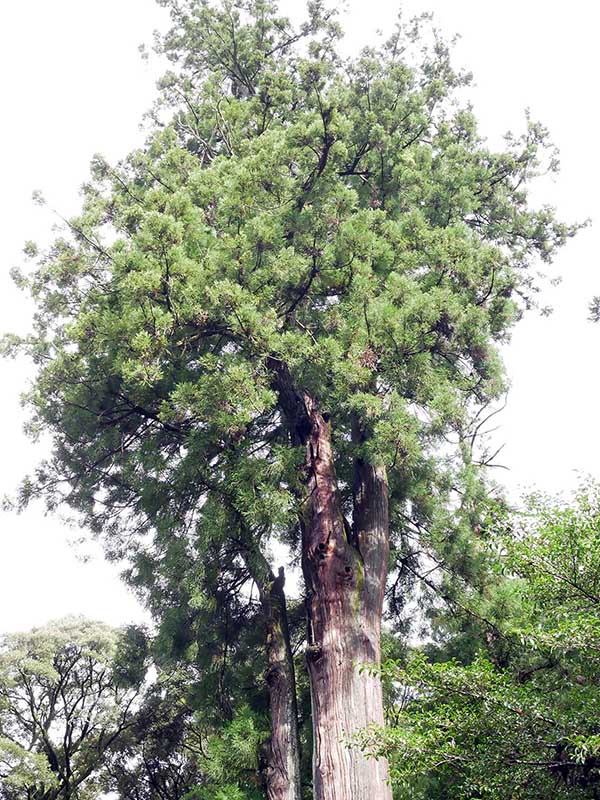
344,218
172,752
519,718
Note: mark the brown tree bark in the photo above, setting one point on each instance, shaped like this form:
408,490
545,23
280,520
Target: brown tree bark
283,768
282,774
345,571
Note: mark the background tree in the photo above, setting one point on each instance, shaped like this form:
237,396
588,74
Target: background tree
506,706
266,321
67,694
157,757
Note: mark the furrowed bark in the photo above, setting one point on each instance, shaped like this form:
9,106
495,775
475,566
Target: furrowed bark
345,572
283,751
283,770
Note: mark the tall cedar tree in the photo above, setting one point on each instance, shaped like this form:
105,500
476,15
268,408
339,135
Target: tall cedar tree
265,320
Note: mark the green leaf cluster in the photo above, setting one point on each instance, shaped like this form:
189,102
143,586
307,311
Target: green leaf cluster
519,718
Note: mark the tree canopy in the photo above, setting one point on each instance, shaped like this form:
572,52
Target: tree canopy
343,219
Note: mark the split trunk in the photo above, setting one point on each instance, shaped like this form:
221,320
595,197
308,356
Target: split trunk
345,571
283,768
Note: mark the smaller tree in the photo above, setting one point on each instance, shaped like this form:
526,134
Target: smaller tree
518,716
67,693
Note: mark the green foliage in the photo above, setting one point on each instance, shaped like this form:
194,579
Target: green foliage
21,770
61,709
234,751
130,661
236,748
343,218
222,792
520,719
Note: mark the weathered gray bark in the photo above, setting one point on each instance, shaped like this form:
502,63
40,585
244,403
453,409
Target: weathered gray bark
345,571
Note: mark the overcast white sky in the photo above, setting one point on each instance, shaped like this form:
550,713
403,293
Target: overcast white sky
72,84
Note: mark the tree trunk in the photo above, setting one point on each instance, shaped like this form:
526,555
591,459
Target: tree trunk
283,768
345,572
282,776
